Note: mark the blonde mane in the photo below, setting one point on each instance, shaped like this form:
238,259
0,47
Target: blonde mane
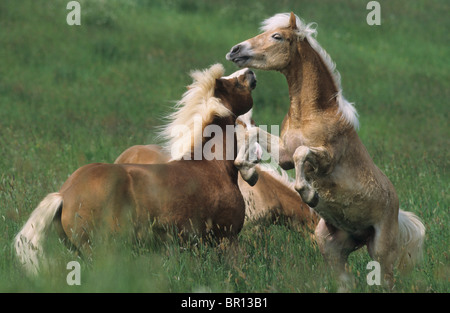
197,104
309,31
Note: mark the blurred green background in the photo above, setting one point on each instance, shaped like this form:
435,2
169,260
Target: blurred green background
72,95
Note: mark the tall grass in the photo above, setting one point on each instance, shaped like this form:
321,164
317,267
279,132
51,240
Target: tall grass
72,95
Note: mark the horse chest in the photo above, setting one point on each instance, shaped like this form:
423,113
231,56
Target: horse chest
292,139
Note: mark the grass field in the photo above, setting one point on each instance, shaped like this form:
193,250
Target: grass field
72,95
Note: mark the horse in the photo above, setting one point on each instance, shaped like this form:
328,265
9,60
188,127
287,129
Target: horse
272,198
143,154
335,174
195,196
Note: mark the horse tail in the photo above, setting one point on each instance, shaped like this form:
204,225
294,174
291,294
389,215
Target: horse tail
412,235
29,241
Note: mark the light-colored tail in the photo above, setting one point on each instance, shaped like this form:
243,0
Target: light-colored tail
412,235
28,242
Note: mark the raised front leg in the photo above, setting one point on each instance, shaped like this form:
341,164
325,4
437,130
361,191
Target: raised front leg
274,145
249,141
306,159
249,154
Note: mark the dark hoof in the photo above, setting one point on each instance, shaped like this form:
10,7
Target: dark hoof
311,201
308,195
314,201
250,176
253,179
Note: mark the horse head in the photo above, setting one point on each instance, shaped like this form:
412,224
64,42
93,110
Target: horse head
283,36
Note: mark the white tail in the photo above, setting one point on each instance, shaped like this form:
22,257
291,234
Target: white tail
28,242
412,235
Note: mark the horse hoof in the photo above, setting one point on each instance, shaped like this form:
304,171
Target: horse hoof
308,195
314,201
250,177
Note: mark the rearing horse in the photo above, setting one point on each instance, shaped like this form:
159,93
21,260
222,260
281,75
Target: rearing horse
200,196
334,172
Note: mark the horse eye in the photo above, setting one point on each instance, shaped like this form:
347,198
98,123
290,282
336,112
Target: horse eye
277,36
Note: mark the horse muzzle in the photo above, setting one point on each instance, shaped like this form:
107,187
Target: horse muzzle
239,54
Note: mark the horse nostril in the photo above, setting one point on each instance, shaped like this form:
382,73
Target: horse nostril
235,49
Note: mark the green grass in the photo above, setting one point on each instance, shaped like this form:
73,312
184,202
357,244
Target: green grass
75,95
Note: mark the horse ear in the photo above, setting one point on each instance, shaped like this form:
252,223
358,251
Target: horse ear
219,83
293,21
219,88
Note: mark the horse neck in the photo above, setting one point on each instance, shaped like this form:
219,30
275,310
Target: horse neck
226,160
311,87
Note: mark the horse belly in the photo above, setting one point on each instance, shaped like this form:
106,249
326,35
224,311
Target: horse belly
341,217
346,202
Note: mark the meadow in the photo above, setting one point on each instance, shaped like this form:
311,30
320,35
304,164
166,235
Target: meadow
73,95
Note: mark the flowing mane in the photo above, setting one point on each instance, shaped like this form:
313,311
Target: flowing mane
309,32
198,104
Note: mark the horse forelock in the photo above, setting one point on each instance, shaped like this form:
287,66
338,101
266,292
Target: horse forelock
197,104
309,31
281,20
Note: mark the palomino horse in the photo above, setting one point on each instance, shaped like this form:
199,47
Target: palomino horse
195,196
272,198
335,174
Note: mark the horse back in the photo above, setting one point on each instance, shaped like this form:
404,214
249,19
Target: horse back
197,196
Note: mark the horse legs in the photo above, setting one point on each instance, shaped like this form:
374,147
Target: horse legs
274,145
309,195
249,154
383,248
335,245
247,157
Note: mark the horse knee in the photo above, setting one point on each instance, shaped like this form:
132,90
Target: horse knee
300,154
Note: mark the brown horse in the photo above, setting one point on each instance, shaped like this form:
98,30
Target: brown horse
198,196
272,198
334,172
